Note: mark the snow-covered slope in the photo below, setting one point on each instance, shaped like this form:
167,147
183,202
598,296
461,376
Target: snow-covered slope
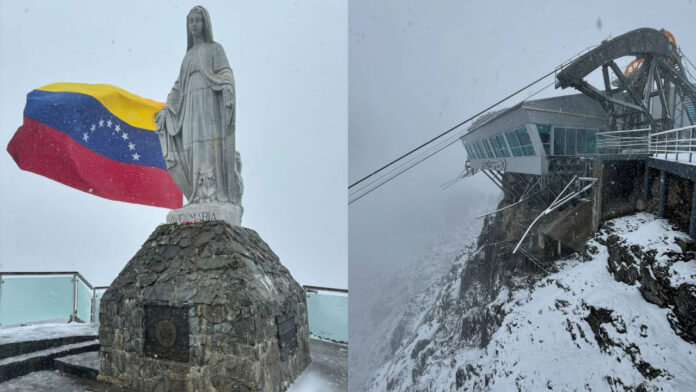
619,317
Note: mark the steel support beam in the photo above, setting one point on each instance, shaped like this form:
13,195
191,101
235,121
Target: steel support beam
662,212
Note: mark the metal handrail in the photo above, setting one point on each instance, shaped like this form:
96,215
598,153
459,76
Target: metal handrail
672,141
673,130
624,142
75,273
319,288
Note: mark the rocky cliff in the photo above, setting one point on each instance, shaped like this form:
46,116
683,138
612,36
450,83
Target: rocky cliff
618,316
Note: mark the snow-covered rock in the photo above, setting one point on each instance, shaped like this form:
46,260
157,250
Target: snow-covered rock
618,317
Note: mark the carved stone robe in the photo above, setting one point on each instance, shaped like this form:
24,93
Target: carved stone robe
198,131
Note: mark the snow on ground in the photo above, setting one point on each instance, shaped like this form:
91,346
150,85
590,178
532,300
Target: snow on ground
683,157
682,272
575,330
46,331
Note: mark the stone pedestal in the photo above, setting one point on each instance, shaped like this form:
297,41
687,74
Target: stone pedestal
203,307
191,213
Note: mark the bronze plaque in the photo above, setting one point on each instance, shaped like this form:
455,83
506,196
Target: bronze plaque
167,332
287,335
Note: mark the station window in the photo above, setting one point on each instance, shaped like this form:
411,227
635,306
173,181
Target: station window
503,146
572,141
559,141
480,150
471,151
514,143
499,147
545,136
520,143
474,153
489,150
591,141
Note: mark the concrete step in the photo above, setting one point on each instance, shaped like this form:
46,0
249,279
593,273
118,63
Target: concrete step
22,364
84,365
23,340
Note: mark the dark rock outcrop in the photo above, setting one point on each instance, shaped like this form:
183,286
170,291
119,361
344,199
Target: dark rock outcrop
631,265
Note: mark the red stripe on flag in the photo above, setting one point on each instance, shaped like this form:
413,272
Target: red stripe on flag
40,149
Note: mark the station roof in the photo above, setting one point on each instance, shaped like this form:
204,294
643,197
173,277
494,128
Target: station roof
575,110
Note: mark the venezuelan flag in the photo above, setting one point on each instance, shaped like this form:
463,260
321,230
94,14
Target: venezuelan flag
97,138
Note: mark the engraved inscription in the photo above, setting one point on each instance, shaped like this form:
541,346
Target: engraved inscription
192,217
166,332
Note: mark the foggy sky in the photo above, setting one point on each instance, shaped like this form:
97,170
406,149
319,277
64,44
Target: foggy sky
290,66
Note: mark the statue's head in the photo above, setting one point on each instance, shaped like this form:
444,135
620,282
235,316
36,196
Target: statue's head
198,22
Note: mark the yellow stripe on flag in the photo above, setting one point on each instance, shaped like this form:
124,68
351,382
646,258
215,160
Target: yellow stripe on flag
134,110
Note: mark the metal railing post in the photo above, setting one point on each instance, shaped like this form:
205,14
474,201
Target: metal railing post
691,141
94,306
73,317
1,281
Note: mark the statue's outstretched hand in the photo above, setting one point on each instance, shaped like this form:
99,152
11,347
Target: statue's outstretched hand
228,96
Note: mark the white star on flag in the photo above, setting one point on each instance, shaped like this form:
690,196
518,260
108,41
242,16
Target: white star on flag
131,146
101,123
118,128
93,128
124,136
85,136
136,157
108,123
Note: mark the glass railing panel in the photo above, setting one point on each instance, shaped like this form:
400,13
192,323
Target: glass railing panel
32,299
328,315
84,302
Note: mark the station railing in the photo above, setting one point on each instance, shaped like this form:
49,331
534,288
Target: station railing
44,297
676,144
630,141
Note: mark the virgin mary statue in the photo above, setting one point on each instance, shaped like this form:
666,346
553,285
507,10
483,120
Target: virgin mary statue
196,126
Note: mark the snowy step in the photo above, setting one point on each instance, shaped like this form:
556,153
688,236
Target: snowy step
84,365
28,339
40,360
